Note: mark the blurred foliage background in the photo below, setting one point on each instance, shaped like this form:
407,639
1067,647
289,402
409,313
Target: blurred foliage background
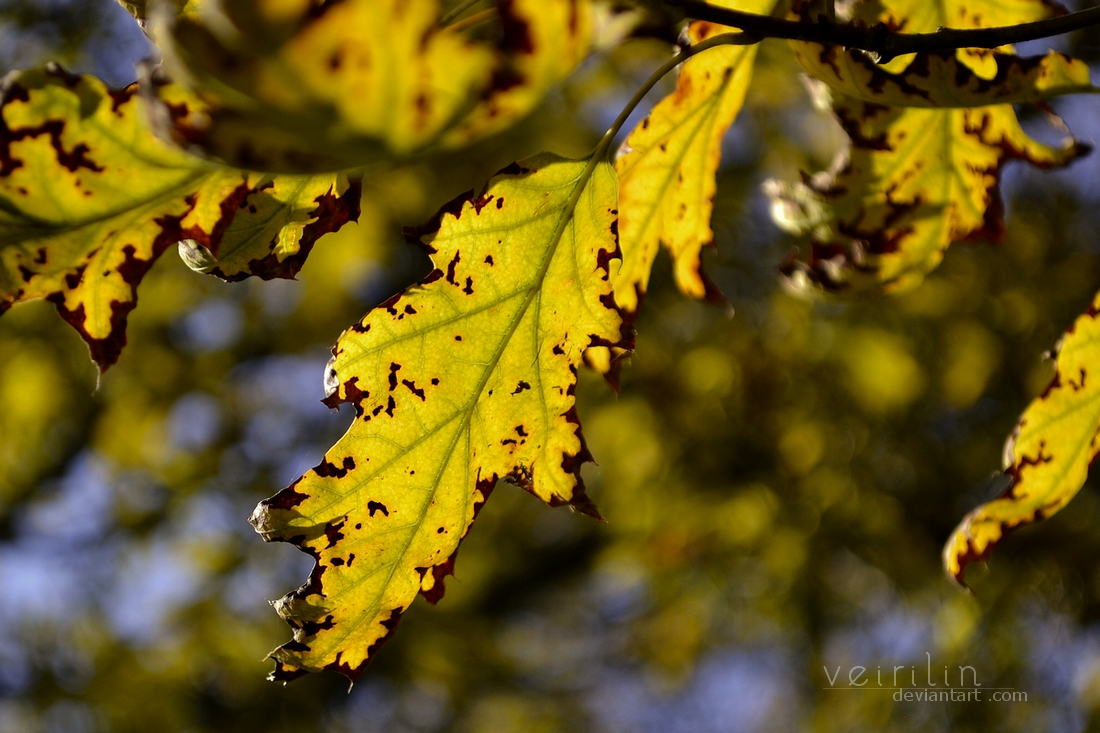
778,478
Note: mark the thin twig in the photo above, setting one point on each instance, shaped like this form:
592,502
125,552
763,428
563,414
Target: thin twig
454,13
470,21
723,39
879,39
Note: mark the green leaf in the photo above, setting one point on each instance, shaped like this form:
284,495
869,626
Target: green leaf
304,87
461,380
89,199
913,182
1047,459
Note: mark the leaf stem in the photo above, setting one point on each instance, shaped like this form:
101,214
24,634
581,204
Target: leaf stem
880,40
454,13
724,39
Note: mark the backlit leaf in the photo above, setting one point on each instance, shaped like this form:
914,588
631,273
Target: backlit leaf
941,80
305,86
920,16
461,380
140,9
1048,457
917,180
913,182
668,164
667,168
89,198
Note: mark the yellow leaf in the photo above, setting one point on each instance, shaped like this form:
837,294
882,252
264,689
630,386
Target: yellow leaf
921,16
667,168
304,87
140,8
543,43
941,80
917,180
89,198
668,164
913,182
461,380
1048,457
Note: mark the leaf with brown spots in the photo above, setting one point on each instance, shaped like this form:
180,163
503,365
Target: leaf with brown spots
667,168
925,160
913,182
308,86
921,16
1048,457
942,80
89,199
461,380
668,164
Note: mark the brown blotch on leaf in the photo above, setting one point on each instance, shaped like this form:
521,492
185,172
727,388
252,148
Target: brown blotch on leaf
415,235
311,628
330,214
513,169
333,533
329,470
286,499
451,268
377,506
482,201
413,388
352,394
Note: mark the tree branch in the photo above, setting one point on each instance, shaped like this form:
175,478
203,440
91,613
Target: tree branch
879,39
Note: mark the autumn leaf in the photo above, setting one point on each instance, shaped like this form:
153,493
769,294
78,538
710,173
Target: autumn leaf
140,9
459,381
941,80
920,16
913,182
89,198
930,134
1048,457
668,164
306,87
667,168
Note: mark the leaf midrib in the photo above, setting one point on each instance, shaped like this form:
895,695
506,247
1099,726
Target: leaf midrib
565,218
